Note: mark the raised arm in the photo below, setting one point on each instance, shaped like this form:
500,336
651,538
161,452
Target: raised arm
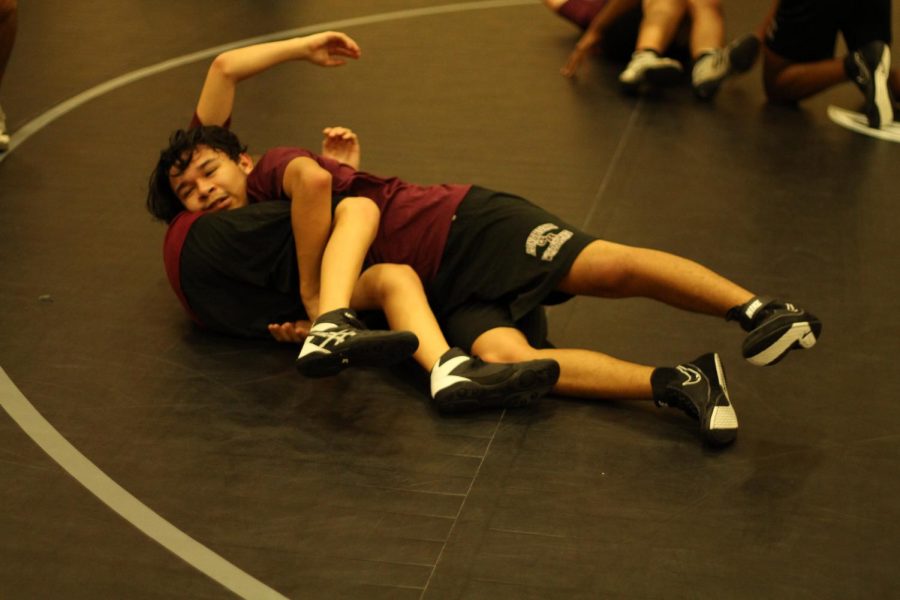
216,101
611,11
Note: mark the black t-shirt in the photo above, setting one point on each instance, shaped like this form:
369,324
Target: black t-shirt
243,269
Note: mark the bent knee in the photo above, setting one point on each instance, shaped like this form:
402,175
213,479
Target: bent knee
503,345
393,279
601,269
358,207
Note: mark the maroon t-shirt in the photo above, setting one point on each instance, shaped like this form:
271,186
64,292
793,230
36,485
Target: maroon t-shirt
415,219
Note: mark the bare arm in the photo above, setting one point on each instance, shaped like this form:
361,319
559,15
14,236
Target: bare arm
309,187
229,68
611,11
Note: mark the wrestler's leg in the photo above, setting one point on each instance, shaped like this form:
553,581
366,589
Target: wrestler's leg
697,387
609,270
459,382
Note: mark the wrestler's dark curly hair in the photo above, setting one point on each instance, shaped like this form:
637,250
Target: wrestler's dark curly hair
161,199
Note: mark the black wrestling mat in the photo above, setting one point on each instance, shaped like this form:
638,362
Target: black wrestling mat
228,473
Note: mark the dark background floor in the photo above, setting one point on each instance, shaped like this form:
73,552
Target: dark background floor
354,487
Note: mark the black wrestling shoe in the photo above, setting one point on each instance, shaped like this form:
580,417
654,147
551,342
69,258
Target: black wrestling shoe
338,339
698,388
869,67
462,383
713,68
775,329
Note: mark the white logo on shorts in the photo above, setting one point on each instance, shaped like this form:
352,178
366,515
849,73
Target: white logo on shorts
540,237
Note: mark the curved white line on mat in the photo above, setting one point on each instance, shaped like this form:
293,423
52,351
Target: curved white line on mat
38,123
61,450
117,498
858,122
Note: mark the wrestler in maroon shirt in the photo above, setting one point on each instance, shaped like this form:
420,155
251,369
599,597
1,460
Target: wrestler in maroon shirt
240,230
488,261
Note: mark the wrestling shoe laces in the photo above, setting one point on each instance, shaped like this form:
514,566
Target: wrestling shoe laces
338,339
462,383
869,67
698,388
775,328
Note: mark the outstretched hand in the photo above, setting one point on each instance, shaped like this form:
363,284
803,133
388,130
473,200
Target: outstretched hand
341,144
325,49
584,46
290,332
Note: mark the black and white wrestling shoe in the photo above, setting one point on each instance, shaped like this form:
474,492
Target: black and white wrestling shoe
649,71
338,339
869,67
698,388
713,67
775,328
462,383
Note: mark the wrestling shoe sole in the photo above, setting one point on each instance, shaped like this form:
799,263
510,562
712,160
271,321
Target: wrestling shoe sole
368,351
883,109
523,388
723,427
771,342
723,424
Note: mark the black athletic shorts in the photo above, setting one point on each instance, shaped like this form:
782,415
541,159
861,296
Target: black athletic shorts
806,30
503,260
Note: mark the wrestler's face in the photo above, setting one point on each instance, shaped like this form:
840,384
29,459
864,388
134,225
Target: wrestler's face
212,181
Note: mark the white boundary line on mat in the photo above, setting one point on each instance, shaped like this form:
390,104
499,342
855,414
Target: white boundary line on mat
121,501
35,125
61,450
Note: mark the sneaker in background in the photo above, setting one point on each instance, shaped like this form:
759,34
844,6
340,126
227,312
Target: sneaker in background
712,68
648,69
869,67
